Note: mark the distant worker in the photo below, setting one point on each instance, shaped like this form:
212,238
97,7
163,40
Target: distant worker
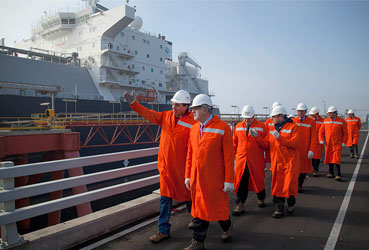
307,141
353,127
250,140
209,171
334,132
175,131
269,124
285,164
318,150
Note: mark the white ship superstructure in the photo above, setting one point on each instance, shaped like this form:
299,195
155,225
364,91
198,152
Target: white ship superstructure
118,55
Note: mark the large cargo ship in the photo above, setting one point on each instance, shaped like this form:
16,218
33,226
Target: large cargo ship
84,61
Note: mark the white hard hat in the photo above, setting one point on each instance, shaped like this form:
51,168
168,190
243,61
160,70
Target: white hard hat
314,110
181,96
248,111
278,110
301,106
290,116
276,103
332,109
351,111
200,100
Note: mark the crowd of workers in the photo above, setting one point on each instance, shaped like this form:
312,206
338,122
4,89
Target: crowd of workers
200,160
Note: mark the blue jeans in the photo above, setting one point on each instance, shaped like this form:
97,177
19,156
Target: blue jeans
165,212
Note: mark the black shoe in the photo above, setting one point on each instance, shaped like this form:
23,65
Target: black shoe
291,209
277,214
261,203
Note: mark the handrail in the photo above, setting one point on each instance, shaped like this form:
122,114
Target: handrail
8,193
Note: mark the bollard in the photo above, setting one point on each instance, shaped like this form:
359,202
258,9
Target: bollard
9,232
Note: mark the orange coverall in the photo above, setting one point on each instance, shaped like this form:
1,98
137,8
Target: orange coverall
210,163
285,164
307,142
353,127
318,151
270,127
250,150
172,150
335,133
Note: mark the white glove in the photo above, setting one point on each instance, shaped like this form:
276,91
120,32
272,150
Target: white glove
130,98
267,166
187,183
310,154
228,187
321,142
343,144
253,133
275,134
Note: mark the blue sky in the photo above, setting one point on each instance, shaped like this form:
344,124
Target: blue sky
252,52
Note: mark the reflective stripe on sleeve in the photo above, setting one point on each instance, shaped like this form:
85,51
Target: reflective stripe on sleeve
185,124
330,122
287,131
303,125
240,129
213,130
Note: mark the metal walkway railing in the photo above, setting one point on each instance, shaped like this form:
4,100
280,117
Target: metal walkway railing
9,215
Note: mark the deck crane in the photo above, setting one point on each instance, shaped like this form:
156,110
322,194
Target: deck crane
182,59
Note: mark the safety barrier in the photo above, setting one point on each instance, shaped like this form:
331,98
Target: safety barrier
8,194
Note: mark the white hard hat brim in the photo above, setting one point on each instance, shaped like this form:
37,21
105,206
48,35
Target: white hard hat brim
247,116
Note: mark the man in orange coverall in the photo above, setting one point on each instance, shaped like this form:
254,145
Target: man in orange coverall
353,127
307,142
285,161
334,131
209,171
318,150
175,130
250,140
269,124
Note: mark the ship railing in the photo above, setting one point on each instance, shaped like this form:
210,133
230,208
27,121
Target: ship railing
9,193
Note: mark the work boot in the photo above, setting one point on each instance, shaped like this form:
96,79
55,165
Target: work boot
191,225
239,209
357,156
226,235
330,176
156,238
277,214
315,173
195,245
261,203
338,178
351,155
300,190
291,209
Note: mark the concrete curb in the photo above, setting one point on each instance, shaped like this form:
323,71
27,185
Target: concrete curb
77,231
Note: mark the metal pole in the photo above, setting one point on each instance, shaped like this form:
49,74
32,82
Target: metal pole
52,101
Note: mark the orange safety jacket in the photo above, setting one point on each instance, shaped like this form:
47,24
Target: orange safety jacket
353,127
250,151
172,150
285,164
335,133
307,142
318,151
270,127
210,163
